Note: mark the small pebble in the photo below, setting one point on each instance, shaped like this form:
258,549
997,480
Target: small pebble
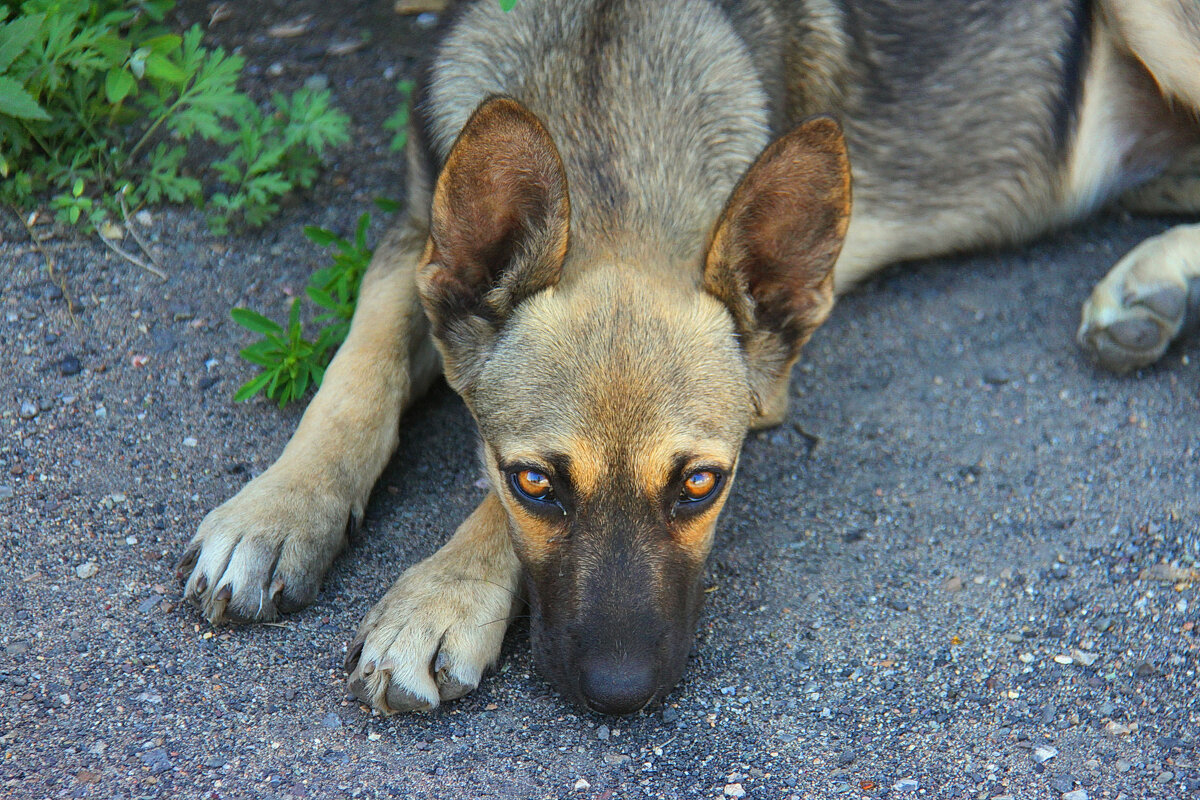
1062,784
87,570
6,491
156,759
190,441
907,785
582,786
1084,657
331,720
1078,794
602,733
734,790
69,366
29,410
1043,754
997,376
1165,776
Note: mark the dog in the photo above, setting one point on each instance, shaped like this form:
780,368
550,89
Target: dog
625,218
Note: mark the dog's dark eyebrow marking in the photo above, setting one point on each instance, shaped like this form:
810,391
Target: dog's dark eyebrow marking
561,464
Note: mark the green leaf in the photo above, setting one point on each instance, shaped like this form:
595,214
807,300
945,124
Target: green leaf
360,232
262,354
16,102
117,85
15,36
252,387
162,68
253,321
387,205
508,5
294,319
302,383
321,298
320,236
163,44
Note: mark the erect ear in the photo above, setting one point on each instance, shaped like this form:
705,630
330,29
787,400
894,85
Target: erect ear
498,232
773,249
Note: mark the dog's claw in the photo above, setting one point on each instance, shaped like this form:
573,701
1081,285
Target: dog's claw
400,699
452,687
265,550
430,638
188,560
354,652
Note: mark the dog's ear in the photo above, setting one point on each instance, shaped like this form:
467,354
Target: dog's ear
773,249
498,232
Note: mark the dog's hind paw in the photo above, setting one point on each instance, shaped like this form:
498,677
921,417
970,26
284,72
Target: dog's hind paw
431,636
264,551
1144,301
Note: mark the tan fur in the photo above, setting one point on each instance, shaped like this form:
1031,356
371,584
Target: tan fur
441,624
1163,34
1141,305
618,271
1176,191
267,548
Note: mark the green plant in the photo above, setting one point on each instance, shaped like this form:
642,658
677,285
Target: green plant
398,121
99,99
289,362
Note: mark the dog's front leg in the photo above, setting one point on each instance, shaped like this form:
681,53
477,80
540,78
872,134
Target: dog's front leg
266,550
442,622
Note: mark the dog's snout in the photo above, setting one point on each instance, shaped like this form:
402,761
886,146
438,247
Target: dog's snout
618,687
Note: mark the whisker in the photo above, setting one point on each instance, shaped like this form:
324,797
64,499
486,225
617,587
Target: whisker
493,583
504,619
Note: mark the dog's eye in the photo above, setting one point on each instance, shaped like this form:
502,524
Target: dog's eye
700,485
533,485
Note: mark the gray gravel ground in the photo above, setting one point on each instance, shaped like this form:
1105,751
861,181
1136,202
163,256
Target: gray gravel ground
943,577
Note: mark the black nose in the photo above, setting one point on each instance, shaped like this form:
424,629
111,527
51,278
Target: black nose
617,687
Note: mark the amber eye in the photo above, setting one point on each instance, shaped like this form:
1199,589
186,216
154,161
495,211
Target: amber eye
533,485
700,485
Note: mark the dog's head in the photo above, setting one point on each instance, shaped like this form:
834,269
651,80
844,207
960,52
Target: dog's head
612,406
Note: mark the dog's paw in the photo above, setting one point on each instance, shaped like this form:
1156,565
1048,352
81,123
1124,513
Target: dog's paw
1143,303
264,551
430,638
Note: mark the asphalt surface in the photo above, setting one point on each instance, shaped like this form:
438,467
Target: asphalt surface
960,569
